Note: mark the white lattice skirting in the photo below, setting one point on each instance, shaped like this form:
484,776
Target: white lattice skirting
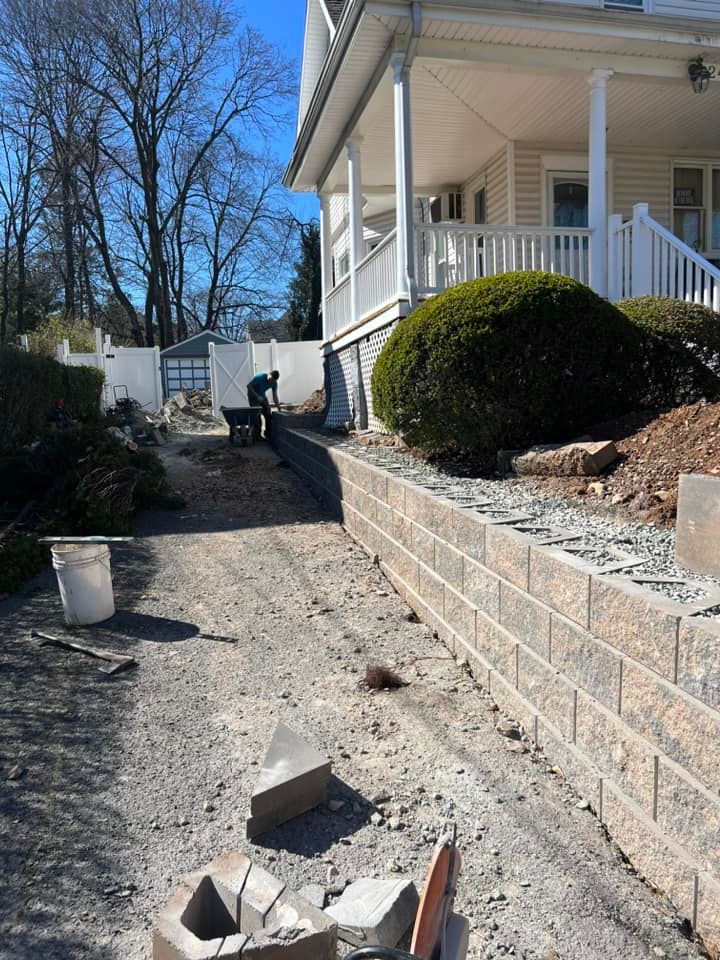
341,364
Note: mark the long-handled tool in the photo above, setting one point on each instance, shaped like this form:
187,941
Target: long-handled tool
116,661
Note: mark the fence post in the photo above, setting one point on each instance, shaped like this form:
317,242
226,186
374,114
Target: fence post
60,353
274,359
641,257
158,378
213,380
24,343
615,279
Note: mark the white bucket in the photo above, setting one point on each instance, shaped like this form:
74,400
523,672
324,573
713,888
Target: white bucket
85,581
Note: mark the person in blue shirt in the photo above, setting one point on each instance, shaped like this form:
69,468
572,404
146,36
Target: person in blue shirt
257,388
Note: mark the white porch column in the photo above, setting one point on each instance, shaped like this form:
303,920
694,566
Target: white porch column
597,180
356,226
325,257
406,285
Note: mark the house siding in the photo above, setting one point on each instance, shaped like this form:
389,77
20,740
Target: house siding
693,9
494,176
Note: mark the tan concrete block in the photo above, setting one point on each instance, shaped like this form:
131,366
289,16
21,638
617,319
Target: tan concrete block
640,623
468,533
685,729
396,494
584,776
616,750
689,813
657,858
440,517
547,690
699,658
496,645
431,589
698,523
384,517
707,920
459,614
402,529
377,483
525,618
172,940
423,545
507,553
587,662
449,564
368,507
512,703
417,506
482,588
560,581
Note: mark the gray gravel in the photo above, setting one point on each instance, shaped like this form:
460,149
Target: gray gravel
654,546
131,782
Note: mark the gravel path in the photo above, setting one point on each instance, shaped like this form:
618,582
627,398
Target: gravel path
132,781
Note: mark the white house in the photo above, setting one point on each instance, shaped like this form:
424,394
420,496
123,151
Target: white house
454,139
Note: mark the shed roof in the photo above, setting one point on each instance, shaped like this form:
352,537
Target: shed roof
196,346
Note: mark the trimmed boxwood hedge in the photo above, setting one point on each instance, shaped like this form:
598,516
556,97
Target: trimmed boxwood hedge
29,386
506,361
681,349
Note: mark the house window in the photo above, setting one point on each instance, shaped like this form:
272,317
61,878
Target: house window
696,206
344,265
480,204
625,5
569,192
187,374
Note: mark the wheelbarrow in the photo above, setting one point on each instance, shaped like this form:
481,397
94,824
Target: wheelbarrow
244,423
438,934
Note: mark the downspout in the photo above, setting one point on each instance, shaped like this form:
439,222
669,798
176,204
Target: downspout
415,31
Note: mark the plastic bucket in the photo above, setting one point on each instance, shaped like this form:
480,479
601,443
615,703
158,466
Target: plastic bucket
85,581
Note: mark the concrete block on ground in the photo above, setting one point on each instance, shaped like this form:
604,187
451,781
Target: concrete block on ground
561,581
293,779
547,689
707,912
573,763
527,619
698,523
193,924
689,813
431,589
314,893
699,658
457,937
565,460
423,545
682,727
497,646
459,615
507,553
588,662
482,588
375,912
449,564
261,891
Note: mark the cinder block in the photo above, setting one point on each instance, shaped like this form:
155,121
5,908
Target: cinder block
699,658
417,506
407,567
261,891
173,938
377,483
547,690
526,619
707,919
449,564
459,614
402,529
632,619
482,588
396,494
384,517
685,729
431,589
616,750
587,662
375,912
423,545
318,931
507,553
576,766
698,523
512,703
656,857
497,646
368,507
689,813
468,533
440,517
561,581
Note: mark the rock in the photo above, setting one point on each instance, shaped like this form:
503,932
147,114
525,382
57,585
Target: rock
314,893
382,796
395,823
662,495
565,460
332,874
335,805
14,773
583,805
506,728
497,896
208,806
377,819
596,489
393,866
377,912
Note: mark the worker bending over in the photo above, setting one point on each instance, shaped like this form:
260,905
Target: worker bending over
257,388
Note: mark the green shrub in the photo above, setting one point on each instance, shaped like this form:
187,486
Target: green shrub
21,557
681,349
506,361
30,385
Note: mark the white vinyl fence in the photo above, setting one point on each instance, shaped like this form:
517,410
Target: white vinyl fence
233,365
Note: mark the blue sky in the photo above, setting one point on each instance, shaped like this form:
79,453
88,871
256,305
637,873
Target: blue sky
282,22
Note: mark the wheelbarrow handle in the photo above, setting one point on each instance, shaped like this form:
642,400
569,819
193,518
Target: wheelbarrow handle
379,953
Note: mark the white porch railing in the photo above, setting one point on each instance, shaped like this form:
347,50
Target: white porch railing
338,308
646,259
448,254
377,276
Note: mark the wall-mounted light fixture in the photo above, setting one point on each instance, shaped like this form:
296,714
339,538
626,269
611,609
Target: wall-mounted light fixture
700,75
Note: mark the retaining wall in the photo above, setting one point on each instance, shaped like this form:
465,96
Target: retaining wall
619,686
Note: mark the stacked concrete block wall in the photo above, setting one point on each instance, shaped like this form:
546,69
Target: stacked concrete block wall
616,684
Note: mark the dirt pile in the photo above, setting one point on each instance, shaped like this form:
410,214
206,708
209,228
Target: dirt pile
654,450
315,403
189,412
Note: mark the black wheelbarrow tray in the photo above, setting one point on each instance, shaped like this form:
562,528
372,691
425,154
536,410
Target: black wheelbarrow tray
242,417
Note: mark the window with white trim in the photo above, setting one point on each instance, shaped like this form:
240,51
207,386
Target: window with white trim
696,206
625,5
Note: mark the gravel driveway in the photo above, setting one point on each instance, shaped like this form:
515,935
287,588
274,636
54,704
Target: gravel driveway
132,781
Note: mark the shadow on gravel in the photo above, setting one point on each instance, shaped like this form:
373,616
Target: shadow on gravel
60,720
317,830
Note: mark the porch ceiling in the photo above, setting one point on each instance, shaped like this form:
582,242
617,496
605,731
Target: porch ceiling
462,114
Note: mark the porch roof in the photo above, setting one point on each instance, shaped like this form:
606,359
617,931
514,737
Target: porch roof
484,76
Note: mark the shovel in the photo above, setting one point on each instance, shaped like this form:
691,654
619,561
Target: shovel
115,661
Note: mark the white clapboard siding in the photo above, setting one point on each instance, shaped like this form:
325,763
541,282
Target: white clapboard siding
643,179
494,177
692,9
315,46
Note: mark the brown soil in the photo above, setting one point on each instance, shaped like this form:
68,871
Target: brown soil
654,450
